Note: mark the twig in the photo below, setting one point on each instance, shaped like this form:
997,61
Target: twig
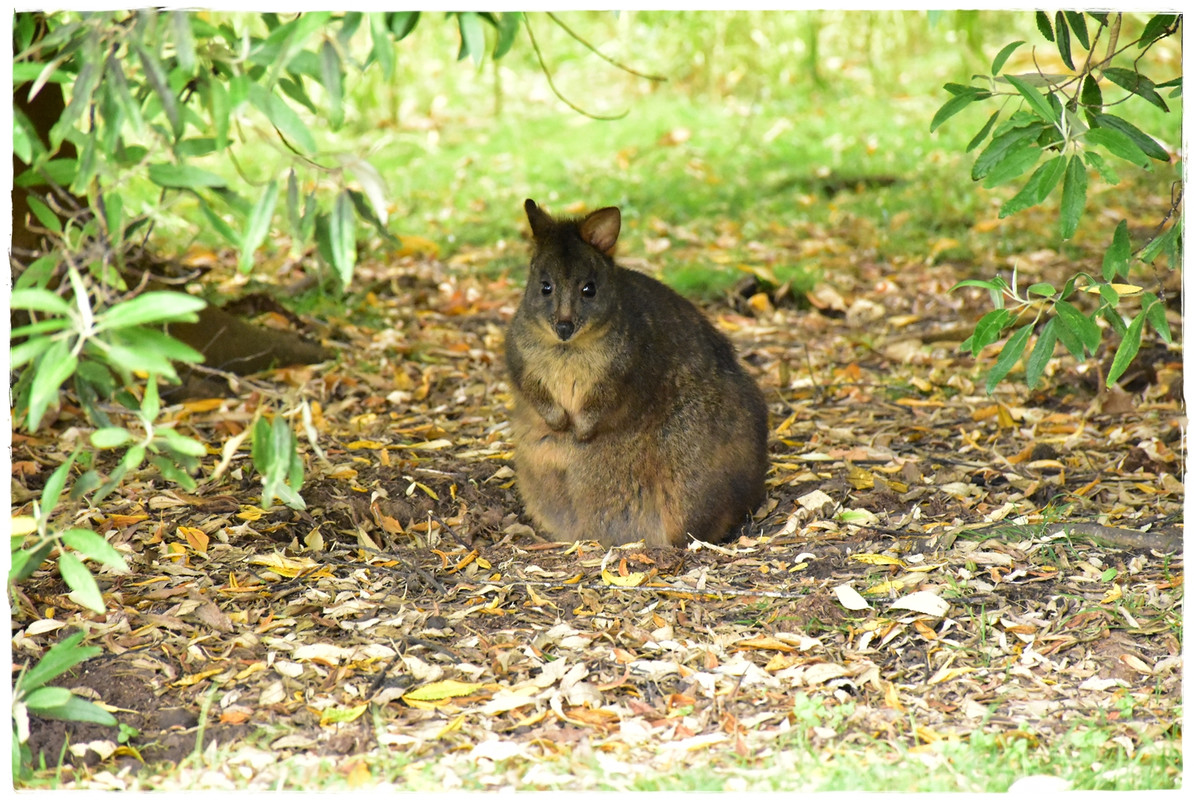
551,83
601,55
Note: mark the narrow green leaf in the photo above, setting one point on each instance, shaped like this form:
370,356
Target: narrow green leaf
1078,26
93,546
81,581
342,238
258,225
181,445
151,403
150,307
982,134
472,36
333,81
1037,188
1073,196
508,24
988,329
1100,165
1012,350
220,107
997,150
126,358
155,76
40,701
383,47
108,438
1042,351
1092,99
28,561
22,142
1015,162
218,223
50,372
1156,26
1119,144
1116,258
1154,311
1146,143
952,106
23,353
365,211
1063,40
1084,329
1035,99
1136,83
402,23
39,300
994,286
184,41
1129,346
90,75
183,176
76,709
284,118
1151,250
1002,57
260,446
56,483
1042,25
1042,289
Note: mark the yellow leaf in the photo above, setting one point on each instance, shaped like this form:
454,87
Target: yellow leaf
941,245
949,674
191,680
334,714
539,600
765,643
359,776
417,246
859,478
23,526
255,667
877,558
250,513
366,444
1112,594
206,404
631,579
285,566
195,537
886,587
1121,289
760,303
440,691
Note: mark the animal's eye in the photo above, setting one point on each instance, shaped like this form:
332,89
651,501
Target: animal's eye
589,289
546,288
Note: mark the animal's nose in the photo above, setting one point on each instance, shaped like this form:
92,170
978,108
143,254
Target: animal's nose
564,330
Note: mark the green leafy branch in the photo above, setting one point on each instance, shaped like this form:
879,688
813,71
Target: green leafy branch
1065,119
1063,321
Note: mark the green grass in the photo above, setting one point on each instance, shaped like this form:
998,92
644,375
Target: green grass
828,749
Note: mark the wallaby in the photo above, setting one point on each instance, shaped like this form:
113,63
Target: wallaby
632,418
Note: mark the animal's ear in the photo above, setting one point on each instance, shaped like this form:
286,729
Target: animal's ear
540,221
601,228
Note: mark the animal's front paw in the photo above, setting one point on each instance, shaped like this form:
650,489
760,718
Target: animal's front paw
555,417
584,426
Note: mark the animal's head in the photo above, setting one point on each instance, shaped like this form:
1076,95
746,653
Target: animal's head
572,282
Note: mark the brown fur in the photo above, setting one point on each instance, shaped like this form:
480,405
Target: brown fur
632,417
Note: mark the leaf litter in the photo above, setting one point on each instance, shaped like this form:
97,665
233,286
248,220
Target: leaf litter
930,561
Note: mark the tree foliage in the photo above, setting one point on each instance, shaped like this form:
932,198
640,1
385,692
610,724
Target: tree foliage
1072,122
